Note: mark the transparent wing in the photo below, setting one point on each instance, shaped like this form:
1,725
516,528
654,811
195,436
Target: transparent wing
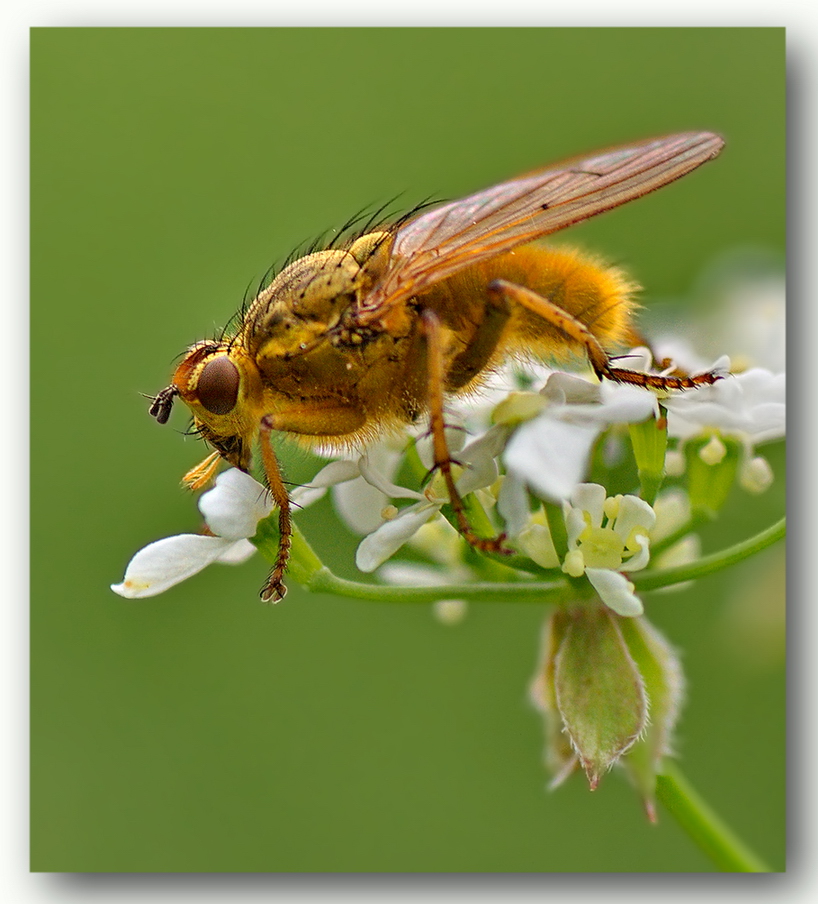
443,241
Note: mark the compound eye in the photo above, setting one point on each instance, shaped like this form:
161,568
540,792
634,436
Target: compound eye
218,385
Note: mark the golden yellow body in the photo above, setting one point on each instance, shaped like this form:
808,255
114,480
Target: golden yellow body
296,366
348,342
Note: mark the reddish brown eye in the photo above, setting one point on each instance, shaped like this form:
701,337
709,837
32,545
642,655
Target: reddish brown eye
218,386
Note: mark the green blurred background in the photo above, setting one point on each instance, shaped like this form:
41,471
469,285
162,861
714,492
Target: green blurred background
204,731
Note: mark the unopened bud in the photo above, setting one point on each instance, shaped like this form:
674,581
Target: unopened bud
610,689
756,475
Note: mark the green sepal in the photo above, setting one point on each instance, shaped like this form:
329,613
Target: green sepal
599,692
560,757
304,565
649,442
661,671
709,485
266,536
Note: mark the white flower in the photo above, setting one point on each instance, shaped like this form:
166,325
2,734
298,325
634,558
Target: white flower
672,510
750,406
360,501
608,536
512,377
550,452
480,471
232,510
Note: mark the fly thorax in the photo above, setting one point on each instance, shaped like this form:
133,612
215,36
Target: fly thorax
372,252
304,302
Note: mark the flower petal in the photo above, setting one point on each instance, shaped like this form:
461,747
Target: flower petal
375,549
359,505
569,389
551,455
512,504
590,498
634,513
303,496
479,456
336,472
455,438
360,502
639,559
750,405
376,478
235,505
575,524
536,542
616,591
167,562
687,550
621,404
237,554
672,510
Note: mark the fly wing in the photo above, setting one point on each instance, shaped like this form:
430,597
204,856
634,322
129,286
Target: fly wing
439,243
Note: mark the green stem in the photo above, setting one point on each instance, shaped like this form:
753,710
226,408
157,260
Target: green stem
664,577
556,526
311,573
327,582
703,826
308,569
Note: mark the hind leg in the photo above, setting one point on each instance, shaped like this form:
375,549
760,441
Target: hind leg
578,333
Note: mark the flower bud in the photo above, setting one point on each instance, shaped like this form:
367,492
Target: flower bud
518,407
756,475
450,612
590,685
609,688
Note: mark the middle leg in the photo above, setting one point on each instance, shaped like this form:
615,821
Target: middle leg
442,460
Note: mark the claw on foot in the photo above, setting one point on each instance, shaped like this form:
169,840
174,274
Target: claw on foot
273,592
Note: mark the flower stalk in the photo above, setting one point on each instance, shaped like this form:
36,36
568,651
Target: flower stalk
703,826
318,578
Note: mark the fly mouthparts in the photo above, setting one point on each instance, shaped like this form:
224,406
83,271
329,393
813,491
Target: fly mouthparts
163,403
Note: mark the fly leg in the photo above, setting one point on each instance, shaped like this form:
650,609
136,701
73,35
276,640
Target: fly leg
636,339
577,331
437,379
274,589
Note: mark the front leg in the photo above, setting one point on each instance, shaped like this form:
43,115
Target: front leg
313,417
274,589
318,417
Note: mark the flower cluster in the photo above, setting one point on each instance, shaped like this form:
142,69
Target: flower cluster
523,459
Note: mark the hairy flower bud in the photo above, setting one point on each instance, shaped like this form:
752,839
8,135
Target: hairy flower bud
610,689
